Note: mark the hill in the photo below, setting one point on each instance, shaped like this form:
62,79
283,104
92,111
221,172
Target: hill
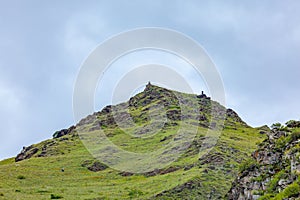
67,167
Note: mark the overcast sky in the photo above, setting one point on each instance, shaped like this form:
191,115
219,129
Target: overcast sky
255,46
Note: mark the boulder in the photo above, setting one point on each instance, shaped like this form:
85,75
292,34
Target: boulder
97,166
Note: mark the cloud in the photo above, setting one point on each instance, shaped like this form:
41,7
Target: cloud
254,44
9,100
82,33
11,116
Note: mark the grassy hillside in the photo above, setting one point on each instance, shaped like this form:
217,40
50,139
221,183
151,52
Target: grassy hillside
62,167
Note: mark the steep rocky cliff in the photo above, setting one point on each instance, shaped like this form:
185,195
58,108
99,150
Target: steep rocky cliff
273,170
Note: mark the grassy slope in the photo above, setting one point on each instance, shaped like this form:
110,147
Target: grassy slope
39,177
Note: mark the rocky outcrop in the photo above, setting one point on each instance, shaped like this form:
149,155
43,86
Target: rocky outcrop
203,96
32,150
273,171
94,165
161,171
293,124
63,132
45,148
185,189
26,153
234,116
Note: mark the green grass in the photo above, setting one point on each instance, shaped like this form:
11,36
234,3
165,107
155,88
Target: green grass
44,174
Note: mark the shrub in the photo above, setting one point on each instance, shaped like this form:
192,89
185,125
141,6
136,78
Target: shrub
20,177
276,126
258,192
291,191
279,127
273,183
135,193
258,178
55,196
1,194
280,144
249,164
293,124
42,191
266,197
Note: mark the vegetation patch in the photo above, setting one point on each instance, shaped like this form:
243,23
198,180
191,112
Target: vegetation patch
55,196
21,177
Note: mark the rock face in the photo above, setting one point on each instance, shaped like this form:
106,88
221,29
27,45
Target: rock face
273,171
